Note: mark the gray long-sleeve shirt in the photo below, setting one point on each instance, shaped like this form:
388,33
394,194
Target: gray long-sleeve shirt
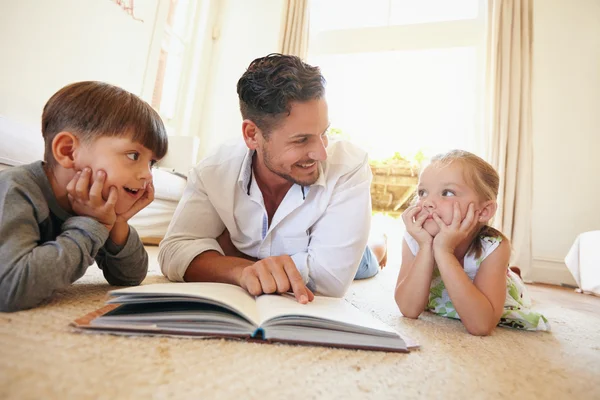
44,248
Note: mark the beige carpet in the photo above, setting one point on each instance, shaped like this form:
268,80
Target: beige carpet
42,358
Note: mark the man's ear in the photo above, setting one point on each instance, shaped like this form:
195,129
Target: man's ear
251,134
64,147
487,211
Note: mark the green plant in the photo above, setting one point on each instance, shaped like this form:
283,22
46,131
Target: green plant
337,133
415,160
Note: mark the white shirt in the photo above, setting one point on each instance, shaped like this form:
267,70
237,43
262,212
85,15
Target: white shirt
324,227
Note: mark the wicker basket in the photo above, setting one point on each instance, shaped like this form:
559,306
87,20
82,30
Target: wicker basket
394,183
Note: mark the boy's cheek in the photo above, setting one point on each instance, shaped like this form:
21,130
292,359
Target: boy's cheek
106,187
105,192
79,166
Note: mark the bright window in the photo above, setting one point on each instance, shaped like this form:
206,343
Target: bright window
403,76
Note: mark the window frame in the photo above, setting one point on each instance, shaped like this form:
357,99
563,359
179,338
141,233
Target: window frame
195,65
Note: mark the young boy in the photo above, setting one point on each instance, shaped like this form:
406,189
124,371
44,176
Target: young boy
58,216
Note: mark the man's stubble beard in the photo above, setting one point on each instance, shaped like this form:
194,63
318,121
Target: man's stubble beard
287,177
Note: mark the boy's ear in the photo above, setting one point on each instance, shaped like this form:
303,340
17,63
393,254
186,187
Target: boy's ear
487,211
251,133
64,146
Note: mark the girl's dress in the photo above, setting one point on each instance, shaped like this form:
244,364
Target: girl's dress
517,306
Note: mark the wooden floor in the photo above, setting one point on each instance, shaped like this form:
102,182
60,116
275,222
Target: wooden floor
564,295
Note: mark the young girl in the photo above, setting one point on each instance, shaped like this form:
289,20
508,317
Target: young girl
453,263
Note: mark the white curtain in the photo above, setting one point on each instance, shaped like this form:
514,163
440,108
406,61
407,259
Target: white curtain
294,30
508,120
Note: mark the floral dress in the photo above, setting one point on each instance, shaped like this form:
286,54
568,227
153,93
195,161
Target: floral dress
517,306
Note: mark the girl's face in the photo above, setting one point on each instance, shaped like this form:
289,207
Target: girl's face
440,186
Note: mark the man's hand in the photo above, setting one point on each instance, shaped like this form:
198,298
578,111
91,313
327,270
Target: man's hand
276,274
414,226
87,201
451,236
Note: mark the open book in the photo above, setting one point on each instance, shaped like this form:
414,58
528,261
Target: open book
222,310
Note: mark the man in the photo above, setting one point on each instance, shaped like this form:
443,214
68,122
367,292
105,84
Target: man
284,210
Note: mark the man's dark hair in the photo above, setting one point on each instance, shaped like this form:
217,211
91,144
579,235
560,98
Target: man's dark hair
95,109
271,83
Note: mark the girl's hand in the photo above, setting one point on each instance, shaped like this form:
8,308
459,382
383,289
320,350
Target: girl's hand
451,236
415,226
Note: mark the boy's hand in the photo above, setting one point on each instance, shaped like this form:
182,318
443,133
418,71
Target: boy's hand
87,201
415,226
140,203
451,236
276,274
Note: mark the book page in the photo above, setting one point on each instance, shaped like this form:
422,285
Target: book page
230,296
271,307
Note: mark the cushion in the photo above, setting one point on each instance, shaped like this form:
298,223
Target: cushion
21,144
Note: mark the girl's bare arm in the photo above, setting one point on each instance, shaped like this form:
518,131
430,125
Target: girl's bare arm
479,303
414,280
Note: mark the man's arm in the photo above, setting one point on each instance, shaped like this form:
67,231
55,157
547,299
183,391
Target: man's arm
191,252
339,238
192,232
29,271
212,266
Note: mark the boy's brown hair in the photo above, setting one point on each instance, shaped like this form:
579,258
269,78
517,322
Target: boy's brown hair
91,110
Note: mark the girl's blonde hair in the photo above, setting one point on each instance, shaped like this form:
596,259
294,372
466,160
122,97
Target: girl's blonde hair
483,178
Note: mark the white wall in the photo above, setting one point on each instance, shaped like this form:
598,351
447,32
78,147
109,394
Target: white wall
245,30
48,44
566,130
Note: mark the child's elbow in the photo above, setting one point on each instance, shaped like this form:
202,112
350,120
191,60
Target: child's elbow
6,306
124,281
14,296
480,330
408,312
13,304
